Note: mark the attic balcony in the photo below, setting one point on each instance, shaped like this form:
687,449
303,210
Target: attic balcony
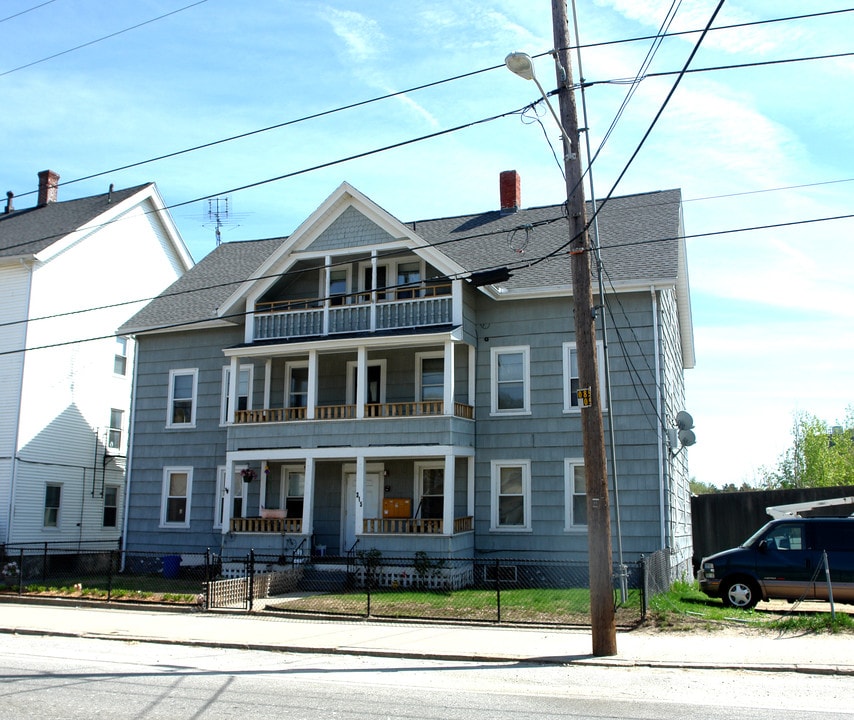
424,305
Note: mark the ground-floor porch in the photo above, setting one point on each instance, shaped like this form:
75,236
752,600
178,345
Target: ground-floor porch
340,501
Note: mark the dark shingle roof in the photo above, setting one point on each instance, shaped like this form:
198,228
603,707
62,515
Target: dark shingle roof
196,295
31,230
638,238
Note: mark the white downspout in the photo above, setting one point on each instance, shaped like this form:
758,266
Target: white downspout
662,495
129,466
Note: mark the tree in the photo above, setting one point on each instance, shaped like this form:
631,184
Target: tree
820,455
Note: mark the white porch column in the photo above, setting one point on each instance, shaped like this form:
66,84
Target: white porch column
448,497
228,500
361,384
470,487
233,377
449,378
373,290
268,382
359,514
457,302
308,498
327,288
313,384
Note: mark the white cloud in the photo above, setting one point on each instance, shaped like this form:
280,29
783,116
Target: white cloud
362,36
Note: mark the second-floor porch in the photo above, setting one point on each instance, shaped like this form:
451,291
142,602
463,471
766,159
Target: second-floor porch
411,377
344,295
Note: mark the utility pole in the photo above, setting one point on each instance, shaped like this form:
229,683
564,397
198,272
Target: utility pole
592,428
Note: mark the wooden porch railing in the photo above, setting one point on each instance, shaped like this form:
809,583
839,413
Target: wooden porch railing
413,526
266,525
405,409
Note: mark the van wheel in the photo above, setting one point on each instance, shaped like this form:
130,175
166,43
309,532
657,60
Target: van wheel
740,593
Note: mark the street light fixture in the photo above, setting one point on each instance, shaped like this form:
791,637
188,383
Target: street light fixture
521,64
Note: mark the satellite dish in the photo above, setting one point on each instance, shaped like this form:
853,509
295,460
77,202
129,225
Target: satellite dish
687,438
684,421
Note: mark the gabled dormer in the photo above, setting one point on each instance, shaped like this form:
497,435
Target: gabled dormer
351,268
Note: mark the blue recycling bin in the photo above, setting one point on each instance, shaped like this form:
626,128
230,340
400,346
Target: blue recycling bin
171,566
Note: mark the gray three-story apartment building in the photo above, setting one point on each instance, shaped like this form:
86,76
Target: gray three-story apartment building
367,383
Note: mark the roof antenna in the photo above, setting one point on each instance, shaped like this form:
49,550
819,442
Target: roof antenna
218,214
110,193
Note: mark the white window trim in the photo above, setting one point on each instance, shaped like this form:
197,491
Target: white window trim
121,351
495,482
289,368
194,398
352,366
365,292
568,348
419,373
568,488
58,526
420,467
326,284
104,505
110,449
226,417
525,350
164,495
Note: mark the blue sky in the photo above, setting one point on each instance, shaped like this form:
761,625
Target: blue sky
773,309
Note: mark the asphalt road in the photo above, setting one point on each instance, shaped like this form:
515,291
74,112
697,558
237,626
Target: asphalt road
44,677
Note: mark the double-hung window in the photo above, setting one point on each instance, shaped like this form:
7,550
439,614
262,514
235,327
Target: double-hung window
571,385
111,506
120,363
175,498
510,387
575,494
52,500
430,383
511,495
114,434
183,385
245,377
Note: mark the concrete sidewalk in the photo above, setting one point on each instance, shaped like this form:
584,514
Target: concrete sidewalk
726,648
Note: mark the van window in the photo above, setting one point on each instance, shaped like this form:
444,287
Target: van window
786,537
834,536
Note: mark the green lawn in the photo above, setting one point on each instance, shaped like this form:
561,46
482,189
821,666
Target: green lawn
538,606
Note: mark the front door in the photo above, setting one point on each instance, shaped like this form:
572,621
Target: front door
370,505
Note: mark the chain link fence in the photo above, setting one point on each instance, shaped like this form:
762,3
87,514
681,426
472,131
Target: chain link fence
363,584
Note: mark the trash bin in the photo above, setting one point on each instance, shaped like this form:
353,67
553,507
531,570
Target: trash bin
171,566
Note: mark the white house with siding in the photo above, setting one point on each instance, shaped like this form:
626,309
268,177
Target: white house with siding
71,273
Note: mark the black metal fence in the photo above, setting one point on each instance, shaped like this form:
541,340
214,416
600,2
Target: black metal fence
367,584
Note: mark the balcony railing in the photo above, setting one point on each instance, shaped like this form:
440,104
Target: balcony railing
413,526
356,313
405,409
266,525
370,526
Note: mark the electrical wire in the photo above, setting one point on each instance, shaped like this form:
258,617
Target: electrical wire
24,12
101,39
511,266
395,94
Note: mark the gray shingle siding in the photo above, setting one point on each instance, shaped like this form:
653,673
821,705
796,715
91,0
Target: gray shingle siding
640,249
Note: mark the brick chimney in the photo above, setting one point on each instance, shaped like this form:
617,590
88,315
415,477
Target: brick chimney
48,182
510,186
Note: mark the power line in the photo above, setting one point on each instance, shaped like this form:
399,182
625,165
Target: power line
101,39
475,236
24,12
512,266
387,96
